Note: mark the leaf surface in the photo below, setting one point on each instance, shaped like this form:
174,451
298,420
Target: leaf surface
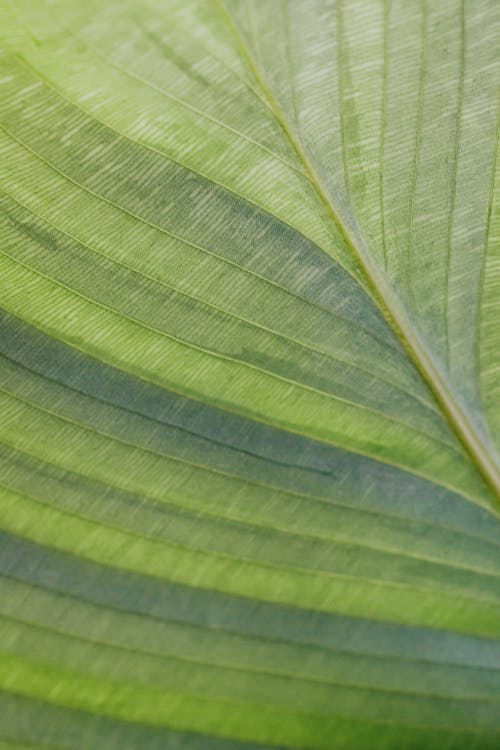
249,374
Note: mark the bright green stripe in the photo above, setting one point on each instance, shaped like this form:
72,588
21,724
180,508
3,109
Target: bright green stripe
355,487
320,556
183,483
316,321
110,546
180,711
307,522
38,245
435,428
218,683
33,721
32,78
165,601
172,364
212,648
250,541
280,191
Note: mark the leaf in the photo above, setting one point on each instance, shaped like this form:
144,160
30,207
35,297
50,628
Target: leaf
250,375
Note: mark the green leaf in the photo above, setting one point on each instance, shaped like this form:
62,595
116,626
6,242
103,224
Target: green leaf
249,375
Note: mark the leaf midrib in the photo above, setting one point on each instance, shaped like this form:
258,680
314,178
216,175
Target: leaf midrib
383,294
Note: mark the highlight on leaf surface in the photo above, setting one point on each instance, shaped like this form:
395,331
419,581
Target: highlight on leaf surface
249,375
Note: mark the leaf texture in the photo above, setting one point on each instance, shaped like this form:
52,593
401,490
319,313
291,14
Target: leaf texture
249,375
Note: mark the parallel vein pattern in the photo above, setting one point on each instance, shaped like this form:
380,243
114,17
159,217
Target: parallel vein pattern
241,243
